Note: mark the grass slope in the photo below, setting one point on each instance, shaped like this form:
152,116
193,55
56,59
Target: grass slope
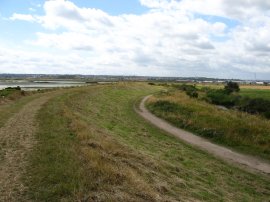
239,130
92,146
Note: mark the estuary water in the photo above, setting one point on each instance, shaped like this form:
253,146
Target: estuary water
39,84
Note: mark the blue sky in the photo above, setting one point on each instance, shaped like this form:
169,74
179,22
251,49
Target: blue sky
8,7
138,37
16,31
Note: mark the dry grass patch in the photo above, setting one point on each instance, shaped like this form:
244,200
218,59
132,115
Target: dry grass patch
114,170
255,87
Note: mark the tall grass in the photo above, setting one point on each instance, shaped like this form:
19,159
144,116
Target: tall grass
245,132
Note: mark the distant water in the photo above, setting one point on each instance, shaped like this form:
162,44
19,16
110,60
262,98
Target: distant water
40,84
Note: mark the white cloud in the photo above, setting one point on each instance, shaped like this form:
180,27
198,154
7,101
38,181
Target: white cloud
23,17
171,39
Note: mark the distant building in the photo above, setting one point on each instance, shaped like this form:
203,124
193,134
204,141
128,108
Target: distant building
259,83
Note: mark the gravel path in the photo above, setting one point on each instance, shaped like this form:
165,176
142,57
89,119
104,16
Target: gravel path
16,142
226,154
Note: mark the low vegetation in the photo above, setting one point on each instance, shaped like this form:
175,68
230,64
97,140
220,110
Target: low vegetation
92,146
11,93
231,97
248,133
255,93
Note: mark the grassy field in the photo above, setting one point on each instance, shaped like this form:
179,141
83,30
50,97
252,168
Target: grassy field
92,146
256,93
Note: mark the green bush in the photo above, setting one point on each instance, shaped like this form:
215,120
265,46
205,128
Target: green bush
231,87
255,106
190,90
9,90
220,97
186,87
192,94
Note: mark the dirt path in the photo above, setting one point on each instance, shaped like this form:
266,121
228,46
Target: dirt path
16,141
226,154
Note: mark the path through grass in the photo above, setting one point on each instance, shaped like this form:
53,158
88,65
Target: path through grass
93,146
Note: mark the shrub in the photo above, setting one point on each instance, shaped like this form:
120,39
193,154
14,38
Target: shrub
9,91
186,87
255,106
192,94
190,90
220,97
205,89
231,87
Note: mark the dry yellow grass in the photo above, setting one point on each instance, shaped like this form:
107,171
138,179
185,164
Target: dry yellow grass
258,87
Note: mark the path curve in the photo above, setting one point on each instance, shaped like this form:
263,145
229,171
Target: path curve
226,154
16,141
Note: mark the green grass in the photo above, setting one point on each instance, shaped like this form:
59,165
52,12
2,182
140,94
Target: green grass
55,171
242,131
256,93
93,146
7,92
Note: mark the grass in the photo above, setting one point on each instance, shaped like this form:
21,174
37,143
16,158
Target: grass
256,93
8,108
242,131
93,146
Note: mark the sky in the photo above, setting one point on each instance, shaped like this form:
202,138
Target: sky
180,38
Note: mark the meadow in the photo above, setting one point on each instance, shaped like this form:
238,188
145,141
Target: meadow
92,146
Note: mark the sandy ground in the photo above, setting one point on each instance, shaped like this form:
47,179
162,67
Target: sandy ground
16,141
246,161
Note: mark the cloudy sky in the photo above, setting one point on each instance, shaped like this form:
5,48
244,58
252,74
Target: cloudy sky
213,38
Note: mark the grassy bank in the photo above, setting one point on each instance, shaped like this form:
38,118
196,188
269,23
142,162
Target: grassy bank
239,130
92,146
